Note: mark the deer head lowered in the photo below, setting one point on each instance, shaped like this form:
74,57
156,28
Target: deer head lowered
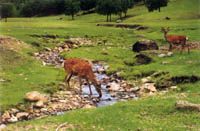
175,39
82,69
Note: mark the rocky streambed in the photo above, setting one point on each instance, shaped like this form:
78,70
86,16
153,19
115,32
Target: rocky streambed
41,105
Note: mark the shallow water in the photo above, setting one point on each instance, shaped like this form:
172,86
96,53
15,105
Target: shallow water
106,98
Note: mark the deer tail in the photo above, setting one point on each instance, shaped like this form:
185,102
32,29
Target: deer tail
187,38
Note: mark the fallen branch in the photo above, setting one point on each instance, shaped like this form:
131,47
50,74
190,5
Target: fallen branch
185,105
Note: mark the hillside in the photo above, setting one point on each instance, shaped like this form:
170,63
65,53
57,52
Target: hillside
21,72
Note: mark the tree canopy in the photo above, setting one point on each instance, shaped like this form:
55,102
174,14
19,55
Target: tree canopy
7,10
72,7
155,4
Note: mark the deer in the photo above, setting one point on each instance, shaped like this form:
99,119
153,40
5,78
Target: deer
83,69
175,39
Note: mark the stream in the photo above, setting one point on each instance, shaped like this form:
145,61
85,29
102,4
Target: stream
112,89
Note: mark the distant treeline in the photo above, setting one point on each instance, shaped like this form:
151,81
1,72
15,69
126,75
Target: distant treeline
30,8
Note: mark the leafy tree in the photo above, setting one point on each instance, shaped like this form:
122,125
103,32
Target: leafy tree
125,5
72,7
7,10
155,4
60,6
87,4
107,7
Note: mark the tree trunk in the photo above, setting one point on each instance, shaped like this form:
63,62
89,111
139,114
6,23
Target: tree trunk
72,16
110,17
125,14
120,15
6,19
159,9
107,18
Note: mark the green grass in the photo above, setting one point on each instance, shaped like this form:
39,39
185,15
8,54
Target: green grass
151,113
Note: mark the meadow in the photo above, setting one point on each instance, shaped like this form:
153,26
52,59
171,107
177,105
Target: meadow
24,73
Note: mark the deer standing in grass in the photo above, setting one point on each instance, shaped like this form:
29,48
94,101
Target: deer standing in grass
175,39
82,69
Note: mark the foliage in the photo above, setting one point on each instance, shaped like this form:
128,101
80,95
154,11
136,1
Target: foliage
7,10
107,7
155,4
87,4
72,7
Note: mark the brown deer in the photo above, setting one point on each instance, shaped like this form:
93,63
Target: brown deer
82,69
175,39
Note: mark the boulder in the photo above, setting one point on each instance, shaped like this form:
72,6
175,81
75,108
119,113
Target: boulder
148,88
35,96
22,115
39,104
2,126
143,59
142,45
113,86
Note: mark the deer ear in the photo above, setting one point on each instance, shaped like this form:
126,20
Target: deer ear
168,28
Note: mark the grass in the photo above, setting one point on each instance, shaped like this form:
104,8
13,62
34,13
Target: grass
24,73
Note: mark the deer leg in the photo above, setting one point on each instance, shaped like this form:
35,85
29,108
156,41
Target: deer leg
80,82
170,46
89,87
182,48
67,79
188,49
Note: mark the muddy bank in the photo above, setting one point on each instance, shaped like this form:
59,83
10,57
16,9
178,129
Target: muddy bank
128,26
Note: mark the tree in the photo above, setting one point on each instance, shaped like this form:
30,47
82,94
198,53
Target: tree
155,4
7,10
72,7
87,5
125,5
107,7
60,6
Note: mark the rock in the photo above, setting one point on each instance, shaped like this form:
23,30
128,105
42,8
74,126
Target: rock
119,21
5,116
173,87
162,55
185,105
169,53
142,45
148,87
113,86
44,110
87,106
39,104
145,80
135,89
165,55
22,115
13,119
35,96
2,126
143,59
13,111
47,48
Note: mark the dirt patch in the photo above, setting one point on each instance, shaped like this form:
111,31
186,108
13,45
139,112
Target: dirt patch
129,26
10,43
51,36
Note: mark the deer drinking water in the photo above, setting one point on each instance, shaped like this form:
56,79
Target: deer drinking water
175,40
82,69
